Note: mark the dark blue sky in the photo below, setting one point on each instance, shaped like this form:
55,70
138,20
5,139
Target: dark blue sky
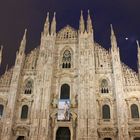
16,15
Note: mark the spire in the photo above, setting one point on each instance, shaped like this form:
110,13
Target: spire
113,39
47,24
89,23
23,43
138,58
112,31
6,68
81,24
138,53
1,49
138,47
53,25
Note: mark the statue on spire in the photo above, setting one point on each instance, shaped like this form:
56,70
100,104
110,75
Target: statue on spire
81,24
53,25
89,24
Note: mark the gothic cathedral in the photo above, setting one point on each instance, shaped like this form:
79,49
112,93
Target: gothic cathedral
70,88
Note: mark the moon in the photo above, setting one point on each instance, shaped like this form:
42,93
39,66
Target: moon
126,38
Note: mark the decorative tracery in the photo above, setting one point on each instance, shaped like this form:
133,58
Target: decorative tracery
104,86
67,33
28,87
66,59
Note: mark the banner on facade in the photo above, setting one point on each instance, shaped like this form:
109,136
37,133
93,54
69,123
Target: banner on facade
63,110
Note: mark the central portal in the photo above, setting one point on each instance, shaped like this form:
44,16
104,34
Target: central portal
63,133
21,138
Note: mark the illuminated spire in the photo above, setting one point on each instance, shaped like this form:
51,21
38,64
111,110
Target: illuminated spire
89,23
138,57
112,31
138,53
1,49
113,39
138,47
53,25
81,24
6,68
23,43
46,26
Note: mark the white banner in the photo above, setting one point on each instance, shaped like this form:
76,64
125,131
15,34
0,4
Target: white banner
64,110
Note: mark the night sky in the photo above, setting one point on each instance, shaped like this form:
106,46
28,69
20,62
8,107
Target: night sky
16,15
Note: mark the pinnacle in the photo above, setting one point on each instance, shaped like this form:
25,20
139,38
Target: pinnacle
138,43
112,31
1,47
24,36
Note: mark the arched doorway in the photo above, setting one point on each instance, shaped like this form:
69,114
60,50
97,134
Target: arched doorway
138,138
63,133
107,139
21,138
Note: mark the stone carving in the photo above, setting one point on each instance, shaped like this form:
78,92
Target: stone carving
130,77
107,131
88,63
21,130
68,33
5,79
30,61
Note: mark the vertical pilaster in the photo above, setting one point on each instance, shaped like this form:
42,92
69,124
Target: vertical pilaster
87,119
118,89
82,98
15,82
40,113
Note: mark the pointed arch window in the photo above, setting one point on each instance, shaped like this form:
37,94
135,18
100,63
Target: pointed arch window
106,112
28,87
66,59
134,111
65,91
24,112
104,86
1,110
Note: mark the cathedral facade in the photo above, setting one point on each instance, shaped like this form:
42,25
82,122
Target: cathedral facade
70,88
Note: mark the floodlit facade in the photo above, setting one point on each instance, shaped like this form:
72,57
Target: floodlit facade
70,88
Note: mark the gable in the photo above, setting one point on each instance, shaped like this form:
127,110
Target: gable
67,33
